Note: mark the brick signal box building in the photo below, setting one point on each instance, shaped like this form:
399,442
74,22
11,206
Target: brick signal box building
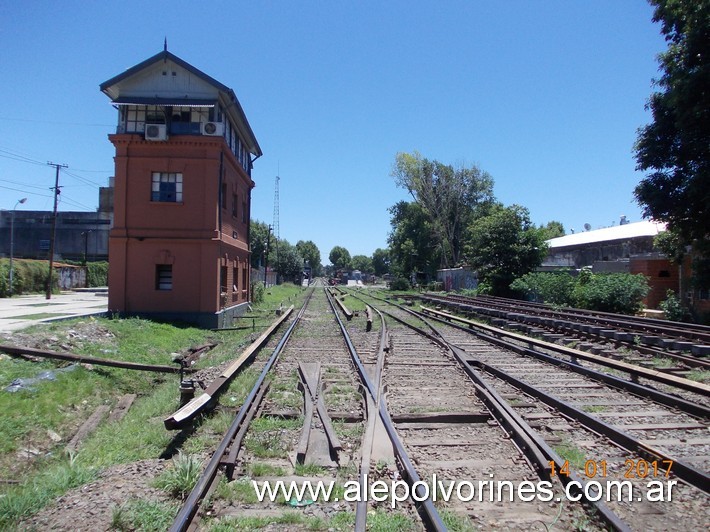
179,246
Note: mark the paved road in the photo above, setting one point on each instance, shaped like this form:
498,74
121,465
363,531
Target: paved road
22,311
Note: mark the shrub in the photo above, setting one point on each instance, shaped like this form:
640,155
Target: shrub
673,309
554,288
611,292
257,292
28,276
96,274
400,283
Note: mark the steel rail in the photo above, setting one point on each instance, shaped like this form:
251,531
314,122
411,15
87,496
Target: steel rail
187,512
681,326
635,372
688,473
577,327
638,389
675,330
430,516
684,471
530,443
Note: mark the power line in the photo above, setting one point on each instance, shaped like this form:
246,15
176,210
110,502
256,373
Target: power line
26,192
55,123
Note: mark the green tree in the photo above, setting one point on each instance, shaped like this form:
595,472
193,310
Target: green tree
258,234
310,252
504,245
675,147
362,263
552,229
340,258
412,241
381,261
449,196
289,264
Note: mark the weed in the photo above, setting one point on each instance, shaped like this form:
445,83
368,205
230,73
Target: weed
143,515
456,522
386,521
594,408
260,469
265,444
307,470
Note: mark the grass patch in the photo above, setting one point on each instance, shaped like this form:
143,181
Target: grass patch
260,469
386,521
239,490
661,362
143,515
594,408
574,455
456,522
40,316
62,405
699,375
20,502
288,518
308,470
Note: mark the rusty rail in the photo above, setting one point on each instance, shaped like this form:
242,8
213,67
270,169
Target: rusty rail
82,359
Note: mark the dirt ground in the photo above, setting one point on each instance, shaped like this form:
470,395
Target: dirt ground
91,507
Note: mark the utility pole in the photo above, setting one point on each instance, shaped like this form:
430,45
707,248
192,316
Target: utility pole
54,227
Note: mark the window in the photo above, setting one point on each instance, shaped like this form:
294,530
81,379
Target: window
224,195
166,187
163,276
234,205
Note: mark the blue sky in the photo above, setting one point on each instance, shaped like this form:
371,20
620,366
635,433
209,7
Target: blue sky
546,96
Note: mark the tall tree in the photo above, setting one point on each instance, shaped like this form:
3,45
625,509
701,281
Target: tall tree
503,246
258,236
381,261
675,147
310,252
552,229
448,195
362,263
413,244
340,258
290,263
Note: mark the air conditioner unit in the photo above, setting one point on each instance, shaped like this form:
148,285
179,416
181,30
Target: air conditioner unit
212,129
156,132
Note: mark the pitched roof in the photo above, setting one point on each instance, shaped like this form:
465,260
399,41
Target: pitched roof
618,232
111,88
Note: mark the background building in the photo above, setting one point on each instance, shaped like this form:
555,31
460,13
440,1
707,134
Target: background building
627,248
80,235
179,246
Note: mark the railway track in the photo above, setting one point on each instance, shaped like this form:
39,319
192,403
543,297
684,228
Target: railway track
599,430
639,340
304,421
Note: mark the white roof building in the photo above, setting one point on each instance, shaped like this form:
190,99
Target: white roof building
607,234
